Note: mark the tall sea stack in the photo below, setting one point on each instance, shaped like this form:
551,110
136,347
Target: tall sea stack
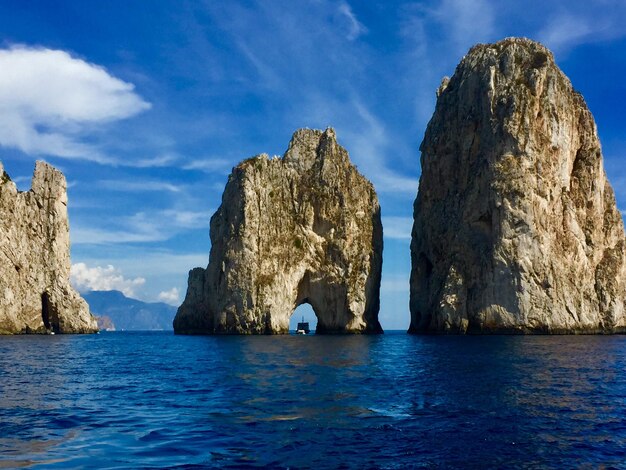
304,228
516,229
35,291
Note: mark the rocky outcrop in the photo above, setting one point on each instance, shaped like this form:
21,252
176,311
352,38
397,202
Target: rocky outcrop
302,229
516,227
105,323
35,291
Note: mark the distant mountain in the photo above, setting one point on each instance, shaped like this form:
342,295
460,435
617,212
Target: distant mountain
130,314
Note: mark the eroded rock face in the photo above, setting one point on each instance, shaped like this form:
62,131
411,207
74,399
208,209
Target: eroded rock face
302,229
35,291
516,227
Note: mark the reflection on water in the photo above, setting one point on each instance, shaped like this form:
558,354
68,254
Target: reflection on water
123,400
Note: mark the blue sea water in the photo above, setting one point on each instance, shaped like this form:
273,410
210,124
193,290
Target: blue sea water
152,400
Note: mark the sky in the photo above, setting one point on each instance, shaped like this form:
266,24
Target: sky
147,105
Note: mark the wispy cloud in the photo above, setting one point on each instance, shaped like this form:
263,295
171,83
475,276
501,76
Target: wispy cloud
154,162
177,219
466,22
49,99
85,278
102,236
138,186
436,35
372,148
21,181
142,227
397,227
567,29
394,284
355,27
210,165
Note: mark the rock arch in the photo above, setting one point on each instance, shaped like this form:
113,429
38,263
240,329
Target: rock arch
302,228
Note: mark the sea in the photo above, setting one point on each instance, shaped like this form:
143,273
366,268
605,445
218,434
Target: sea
156,400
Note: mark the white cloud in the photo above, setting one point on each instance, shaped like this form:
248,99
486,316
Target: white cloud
370,146
49,98
355,27
85,278
210,165
167,221
139,260
566,30
467,22
138,186
397,227
161,268
21,181
171,296
395,283
154,162
94,236
142,227
437,35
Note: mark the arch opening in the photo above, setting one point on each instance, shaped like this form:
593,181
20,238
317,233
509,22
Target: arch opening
303,313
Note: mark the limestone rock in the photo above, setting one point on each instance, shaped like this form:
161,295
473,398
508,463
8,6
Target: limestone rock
302,229
516,227
105,323
35,291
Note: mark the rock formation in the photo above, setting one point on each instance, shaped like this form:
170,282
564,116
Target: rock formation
35,291
105,323
516,227
302,229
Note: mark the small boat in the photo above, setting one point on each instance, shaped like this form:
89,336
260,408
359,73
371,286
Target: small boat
303,328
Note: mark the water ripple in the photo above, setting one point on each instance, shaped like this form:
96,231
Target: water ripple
154,400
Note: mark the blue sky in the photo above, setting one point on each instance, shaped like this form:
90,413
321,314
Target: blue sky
146,106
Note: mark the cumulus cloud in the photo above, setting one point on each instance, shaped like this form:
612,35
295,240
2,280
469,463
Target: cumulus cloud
85,278
49,98
171,296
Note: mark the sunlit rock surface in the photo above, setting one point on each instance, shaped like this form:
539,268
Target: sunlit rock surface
304,228
35,291
516,227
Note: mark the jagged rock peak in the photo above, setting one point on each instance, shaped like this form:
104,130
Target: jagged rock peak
35,291
515,224
304,228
